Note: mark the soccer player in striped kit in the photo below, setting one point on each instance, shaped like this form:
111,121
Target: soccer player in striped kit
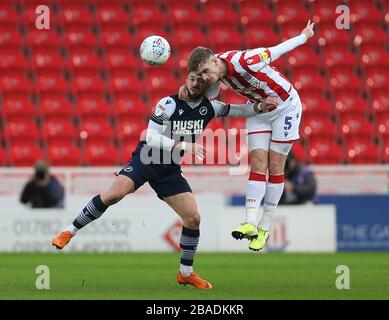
173,129
270,137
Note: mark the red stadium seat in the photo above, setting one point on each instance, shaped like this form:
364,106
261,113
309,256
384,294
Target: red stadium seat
329,34
24,155
308,79
93,107
96,130
261,36
252,13
46,59
380,102
59,130
14,82
9,37
117,37
87,82
299,151
361,152
29,15
348,103
63,154
385,151
324,152
369,33
120,59
130,130
129,106
185,36
147,14
12,60
21,130
55,107
121,82
313,103
382,126
317,127
51,82
225,39
18,106
127,149
344,79
324,11
377,78
83,60
357,127
374,56
219,15
8,15
364,11
101,154
44,38
290,30
288,12
3,157
338,56
78,37
111,14
147,31
162,81
303,57
183,14
72,14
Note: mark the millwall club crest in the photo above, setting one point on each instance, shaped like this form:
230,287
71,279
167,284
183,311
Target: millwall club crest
203,111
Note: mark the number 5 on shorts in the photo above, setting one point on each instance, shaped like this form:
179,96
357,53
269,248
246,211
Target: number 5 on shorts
288,124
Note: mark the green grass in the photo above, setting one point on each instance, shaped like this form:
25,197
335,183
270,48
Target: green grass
234,276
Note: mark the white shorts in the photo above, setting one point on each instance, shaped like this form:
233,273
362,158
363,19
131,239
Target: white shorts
273,130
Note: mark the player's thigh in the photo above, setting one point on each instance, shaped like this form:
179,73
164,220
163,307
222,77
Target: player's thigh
184,204
121,186
258,145
277,161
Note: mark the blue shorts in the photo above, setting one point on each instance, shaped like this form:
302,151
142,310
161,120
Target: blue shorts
166,179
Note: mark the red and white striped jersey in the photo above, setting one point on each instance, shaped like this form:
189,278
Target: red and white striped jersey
251,75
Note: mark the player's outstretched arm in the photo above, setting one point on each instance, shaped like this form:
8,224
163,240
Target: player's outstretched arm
289,45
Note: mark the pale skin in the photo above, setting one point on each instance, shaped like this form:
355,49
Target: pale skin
261,160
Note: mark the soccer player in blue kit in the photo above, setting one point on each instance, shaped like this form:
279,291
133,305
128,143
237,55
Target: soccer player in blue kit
173,129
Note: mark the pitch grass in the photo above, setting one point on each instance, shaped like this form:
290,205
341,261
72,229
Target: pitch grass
234,276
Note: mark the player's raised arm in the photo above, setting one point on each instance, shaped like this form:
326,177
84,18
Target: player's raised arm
289,45
244,110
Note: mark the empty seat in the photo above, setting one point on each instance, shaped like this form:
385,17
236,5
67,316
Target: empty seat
44,38
335,56
93,106
63,154
225,38
260,36
347,103
130,106
21,130
54,106
299,151
83,60
328,34
24,154
162,81
308,79
147,14
324,152
344,78
14,82
117,37
303,57
313,103
377,78
75,14
101,154
59,130
219,15
84,82
362,11
373,55
51,82
12,60
77,37
111,14
369,33
46,59
130,130
380,102
252,13
9,37
3,157
8,15
361,152
317,127
382,126
183,14
18,106
355,126
385,151
323,11
95,130
121,82
291,12
184,36
119,59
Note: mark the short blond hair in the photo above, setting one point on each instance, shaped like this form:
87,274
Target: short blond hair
198,57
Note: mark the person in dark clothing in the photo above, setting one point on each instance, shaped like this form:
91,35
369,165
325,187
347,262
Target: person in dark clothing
43,190
300,183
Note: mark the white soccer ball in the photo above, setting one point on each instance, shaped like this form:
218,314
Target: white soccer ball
155,50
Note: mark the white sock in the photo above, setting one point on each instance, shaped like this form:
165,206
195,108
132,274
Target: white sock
186,270
255,190
72,229
274,189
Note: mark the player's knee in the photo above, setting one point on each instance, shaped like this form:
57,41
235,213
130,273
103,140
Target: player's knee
193,221
258,164
276,167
